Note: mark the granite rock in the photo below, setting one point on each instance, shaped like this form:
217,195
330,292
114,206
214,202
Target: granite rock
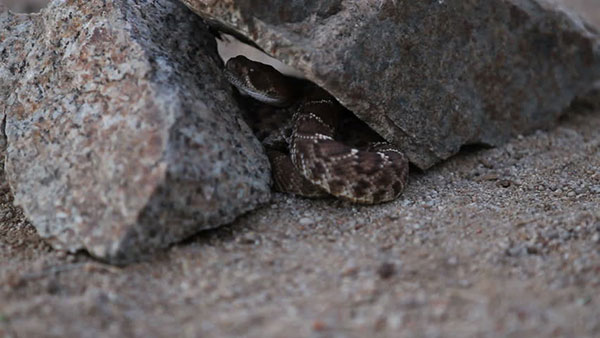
429,76
122,134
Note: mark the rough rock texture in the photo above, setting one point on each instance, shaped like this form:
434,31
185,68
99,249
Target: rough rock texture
429,76
122,135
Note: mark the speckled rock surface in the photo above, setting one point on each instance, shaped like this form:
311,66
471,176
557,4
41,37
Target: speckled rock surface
122,136
429,76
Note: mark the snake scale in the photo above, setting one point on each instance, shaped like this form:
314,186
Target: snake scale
314,163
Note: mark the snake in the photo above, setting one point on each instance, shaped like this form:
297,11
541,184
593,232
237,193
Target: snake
313,161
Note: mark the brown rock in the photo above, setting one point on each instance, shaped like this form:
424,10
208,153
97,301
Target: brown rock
122,135
428,76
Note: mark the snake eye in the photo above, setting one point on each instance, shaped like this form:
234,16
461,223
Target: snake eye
251,70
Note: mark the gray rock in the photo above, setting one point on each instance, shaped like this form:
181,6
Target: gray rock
122,133
429,76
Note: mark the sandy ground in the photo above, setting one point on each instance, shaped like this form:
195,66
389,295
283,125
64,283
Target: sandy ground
500,242
494,242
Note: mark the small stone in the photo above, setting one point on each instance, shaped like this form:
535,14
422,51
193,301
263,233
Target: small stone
319,325
249,238
386,270
306,221
350,271
516,251
465,283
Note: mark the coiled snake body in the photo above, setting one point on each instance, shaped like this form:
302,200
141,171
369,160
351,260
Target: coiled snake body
316,164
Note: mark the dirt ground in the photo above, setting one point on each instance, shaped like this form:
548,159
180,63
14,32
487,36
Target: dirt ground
494,242
500,242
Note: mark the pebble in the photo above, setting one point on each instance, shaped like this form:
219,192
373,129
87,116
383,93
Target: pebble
306,221
249,238
386,270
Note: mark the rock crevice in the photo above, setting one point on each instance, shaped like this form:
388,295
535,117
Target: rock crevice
429,76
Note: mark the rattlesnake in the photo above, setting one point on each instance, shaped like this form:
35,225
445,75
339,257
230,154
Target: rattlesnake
312,163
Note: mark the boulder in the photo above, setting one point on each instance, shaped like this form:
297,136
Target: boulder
122,133
429,76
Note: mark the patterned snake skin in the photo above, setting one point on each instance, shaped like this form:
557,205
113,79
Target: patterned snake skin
313,163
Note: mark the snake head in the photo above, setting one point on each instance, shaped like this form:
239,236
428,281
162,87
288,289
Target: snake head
259,81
